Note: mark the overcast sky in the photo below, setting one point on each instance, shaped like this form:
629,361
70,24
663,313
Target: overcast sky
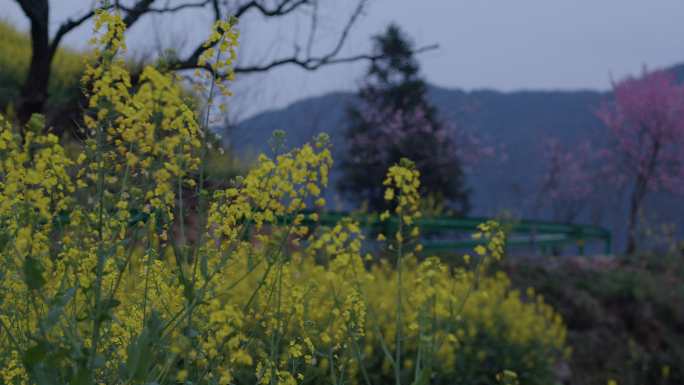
501,44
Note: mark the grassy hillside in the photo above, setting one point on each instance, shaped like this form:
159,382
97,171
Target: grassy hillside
15,55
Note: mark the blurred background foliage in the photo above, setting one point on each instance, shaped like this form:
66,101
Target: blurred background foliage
15,55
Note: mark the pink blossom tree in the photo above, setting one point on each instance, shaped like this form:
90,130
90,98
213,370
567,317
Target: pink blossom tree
383,136
569,179
395,119
397,130
646,120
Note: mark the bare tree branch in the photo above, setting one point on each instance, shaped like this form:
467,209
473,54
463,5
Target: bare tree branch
134,13
37,11
217,10
171,9
312,64
345,32
314,29
308,63
285,7
67,27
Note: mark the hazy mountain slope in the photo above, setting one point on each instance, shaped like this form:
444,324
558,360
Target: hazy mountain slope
520,121
301,121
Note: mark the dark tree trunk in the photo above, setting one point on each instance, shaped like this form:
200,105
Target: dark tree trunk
34,92
635,202
638,195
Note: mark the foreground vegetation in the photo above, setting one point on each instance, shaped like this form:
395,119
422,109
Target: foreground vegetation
624,315
105,281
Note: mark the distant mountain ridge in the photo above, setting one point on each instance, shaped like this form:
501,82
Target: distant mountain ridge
518,120
513,119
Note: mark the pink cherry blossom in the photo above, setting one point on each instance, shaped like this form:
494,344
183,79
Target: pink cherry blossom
646,120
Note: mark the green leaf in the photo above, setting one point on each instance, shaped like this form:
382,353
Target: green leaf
140,351
204,266
61,219
423,378
57,308
105,313
137,216
188,291
45,375
35,354
42,362
191,333
4,238
33,273
82,377
99,361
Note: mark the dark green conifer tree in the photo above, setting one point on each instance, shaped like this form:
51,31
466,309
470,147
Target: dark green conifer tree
394,120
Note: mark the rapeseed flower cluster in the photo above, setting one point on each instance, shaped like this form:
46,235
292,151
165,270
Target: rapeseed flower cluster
101,284
218,56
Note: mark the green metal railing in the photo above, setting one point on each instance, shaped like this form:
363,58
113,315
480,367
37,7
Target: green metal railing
522,233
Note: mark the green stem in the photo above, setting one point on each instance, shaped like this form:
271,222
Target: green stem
97,318
397,358
10,335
